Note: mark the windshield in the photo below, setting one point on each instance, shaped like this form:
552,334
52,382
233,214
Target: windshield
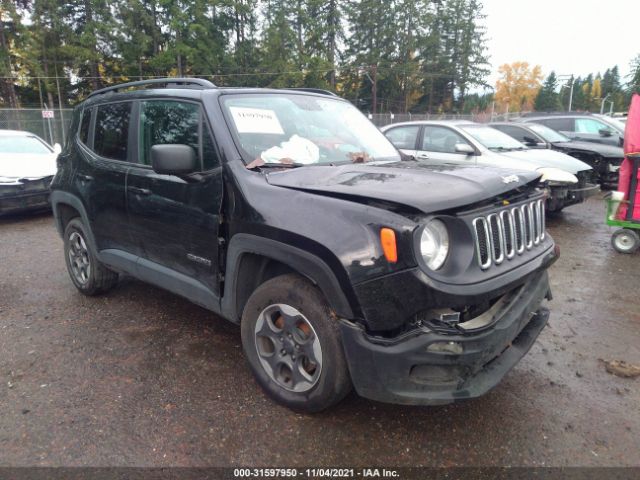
303,130
548,134
492,139
20,144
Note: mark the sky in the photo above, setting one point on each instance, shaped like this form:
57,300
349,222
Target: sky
567,36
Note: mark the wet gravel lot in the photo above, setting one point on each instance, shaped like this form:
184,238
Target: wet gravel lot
141,377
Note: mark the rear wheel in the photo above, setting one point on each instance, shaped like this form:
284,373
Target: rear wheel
88,275
292,343
625,240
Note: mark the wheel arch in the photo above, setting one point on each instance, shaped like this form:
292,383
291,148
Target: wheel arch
66,206
252,260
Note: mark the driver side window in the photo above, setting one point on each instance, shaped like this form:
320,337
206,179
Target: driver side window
440,139
590,125
175,122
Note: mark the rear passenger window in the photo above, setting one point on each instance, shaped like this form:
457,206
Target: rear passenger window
403,137
84,126
558,124
112,130
516,133
174,122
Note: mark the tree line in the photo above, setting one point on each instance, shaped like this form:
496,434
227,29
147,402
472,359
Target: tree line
521,88
383,55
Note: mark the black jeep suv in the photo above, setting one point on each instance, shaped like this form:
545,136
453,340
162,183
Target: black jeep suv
289,213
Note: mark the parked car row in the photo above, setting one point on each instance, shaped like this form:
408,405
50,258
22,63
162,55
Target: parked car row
27,166
566,180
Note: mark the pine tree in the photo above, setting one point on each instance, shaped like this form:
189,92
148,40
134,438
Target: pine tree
548,99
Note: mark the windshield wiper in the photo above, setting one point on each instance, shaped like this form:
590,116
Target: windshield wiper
277,165
501,149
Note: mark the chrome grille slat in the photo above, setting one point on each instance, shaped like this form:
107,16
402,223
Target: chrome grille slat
509,235
503,235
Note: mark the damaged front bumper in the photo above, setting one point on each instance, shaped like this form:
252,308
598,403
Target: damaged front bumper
25,195
426,367
559,197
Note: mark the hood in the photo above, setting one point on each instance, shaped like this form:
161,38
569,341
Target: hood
607,151
549,158
425,187
26,165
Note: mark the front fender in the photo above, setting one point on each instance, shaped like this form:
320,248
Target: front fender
299,260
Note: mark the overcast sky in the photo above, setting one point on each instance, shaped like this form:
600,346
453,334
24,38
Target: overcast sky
567,36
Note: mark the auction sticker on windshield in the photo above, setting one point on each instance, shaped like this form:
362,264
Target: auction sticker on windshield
256,120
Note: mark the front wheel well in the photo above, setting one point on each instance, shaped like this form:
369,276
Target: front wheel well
253,271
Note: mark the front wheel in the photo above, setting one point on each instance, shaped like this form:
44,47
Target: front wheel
625,240
292,344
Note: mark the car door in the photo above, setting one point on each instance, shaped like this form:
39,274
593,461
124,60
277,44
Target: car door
404,138
176,219
437,145
100,178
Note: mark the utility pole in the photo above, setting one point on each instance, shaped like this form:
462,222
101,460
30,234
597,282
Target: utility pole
571,79
604,100
374,86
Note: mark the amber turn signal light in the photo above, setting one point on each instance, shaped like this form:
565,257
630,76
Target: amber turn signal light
388,241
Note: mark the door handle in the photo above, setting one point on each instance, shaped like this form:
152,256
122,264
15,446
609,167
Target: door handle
85,178
422,155
139,191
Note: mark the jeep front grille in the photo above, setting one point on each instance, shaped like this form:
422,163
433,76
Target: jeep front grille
502,235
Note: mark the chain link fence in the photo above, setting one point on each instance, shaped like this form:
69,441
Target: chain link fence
382,119
53,130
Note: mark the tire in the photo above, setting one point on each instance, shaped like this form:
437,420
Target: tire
625,240
88,275
292,343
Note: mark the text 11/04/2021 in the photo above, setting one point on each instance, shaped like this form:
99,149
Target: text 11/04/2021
315,473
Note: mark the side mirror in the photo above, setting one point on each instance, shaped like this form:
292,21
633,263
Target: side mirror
57,148
605,132
464,148
173,159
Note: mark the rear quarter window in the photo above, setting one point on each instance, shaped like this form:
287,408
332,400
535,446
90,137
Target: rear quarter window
83,134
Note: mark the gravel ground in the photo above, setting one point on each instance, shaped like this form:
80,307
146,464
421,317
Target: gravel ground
140,377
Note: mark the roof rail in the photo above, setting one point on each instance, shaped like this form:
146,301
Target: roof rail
168,82
313,90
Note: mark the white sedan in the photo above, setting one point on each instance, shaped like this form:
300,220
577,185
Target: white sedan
27,166
567,180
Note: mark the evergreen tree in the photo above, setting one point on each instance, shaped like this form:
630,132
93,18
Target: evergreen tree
548,99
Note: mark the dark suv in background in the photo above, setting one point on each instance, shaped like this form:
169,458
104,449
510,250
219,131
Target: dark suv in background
604,159
583,126
288,213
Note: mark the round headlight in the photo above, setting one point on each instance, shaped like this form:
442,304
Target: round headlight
434,244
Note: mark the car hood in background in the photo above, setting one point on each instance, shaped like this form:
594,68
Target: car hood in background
607,151
425,187
27,166
548,158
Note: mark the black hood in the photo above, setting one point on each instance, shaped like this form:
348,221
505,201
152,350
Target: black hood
607,151
425,187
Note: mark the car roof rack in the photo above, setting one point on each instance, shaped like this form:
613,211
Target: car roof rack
167,82
321,91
